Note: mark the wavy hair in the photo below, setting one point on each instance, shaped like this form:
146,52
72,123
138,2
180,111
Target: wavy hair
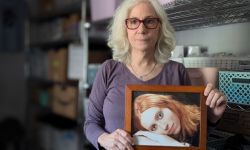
189,115
118,40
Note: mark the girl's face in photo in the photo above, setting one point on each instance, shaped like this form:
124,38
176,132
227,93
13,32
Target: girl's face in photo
142,38
160,121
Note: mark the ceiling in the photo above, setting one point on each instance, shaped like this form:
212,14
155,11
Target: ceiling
190,14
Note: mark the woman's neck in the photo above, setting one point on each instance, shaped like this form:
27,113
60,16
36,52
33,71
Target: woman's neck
143,65
142,58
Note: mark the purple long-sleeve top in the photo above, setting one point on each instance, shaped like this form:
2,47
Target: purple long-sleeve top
107,98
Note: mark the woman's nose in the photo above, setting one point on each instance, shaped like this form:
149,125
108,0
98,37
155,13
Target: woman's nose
141,27
164,126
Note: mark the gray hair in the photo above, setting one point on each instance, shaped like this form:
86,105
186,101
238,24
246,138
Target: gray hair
118,40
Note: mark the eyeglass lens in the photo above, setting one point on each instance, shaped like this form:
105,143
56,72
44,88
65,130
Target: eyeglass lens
134,23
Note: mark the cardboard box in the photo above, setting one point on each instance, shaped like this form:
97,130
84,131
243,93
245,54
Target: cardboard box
57,65
71,26
64,101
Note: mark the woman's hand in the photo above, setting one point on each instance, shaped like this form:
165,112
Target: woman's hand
216,101
117,140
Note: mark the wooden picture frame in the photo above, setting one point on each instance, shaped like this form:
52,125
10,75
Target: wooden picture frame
187,95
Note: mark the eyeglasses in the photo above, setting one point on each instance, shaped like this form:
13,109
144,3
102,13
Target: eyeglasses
149,23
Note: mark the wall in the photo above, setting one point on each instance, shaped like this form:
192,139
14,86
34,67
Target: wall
232,38
12,80
13,96
11,25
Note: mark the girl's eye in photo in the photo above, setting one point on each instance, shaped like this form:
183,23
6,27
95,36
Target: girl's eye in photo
153,127
159,115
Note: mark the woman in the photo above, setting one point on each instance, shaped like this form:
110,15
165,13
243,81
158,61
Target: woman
162,114
141,39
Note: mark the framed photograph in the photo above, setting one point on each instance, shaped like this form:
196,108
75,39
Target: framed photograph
166,117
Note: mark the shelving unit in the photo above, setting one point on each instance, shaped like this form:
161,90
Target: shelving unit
74,7
53,97
190,14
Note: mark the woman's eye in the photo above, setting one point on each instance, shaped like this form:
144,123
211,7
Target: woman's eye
150,21
153,127
133,21
159,115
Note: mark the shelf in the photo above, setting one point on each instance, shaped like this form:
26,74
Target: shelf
54,43
46,82
57,12
45,115
58,121
190,14
52,26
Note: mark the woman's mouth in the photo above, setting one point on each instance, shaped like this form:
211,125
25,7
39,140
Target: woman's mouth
171,129
142,39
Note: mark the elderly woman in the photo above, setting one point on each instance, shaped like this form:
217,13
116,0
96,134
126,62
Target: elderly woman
142,40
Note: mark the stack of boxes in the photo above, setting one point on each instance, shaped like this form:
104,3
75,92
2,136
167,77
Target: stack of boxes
57,60
64,28
61,97
50,6
64,101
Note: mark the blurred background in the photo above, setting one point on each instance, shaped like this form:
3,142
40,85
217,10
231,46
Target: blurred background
50,51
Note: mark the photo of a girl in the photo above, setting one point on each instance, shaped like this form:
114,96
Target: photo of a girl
163,120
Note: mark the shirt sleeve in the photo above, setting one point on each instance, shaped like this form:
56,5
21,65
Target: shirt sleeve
185,77
94,122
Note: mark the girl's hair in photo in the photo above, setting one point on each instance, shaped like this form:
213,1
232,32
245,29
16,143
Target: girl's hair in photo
189,115
117,36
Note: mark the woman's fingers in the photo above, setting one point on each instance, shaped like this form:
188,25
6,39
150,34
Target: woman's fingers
221,100
122,140
216,101
213,97
208,88
119,145
117,140
210,97
126,136
125,139
125,144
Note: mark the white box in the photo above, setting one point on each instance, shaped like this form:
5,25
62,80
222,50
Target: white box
75,62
